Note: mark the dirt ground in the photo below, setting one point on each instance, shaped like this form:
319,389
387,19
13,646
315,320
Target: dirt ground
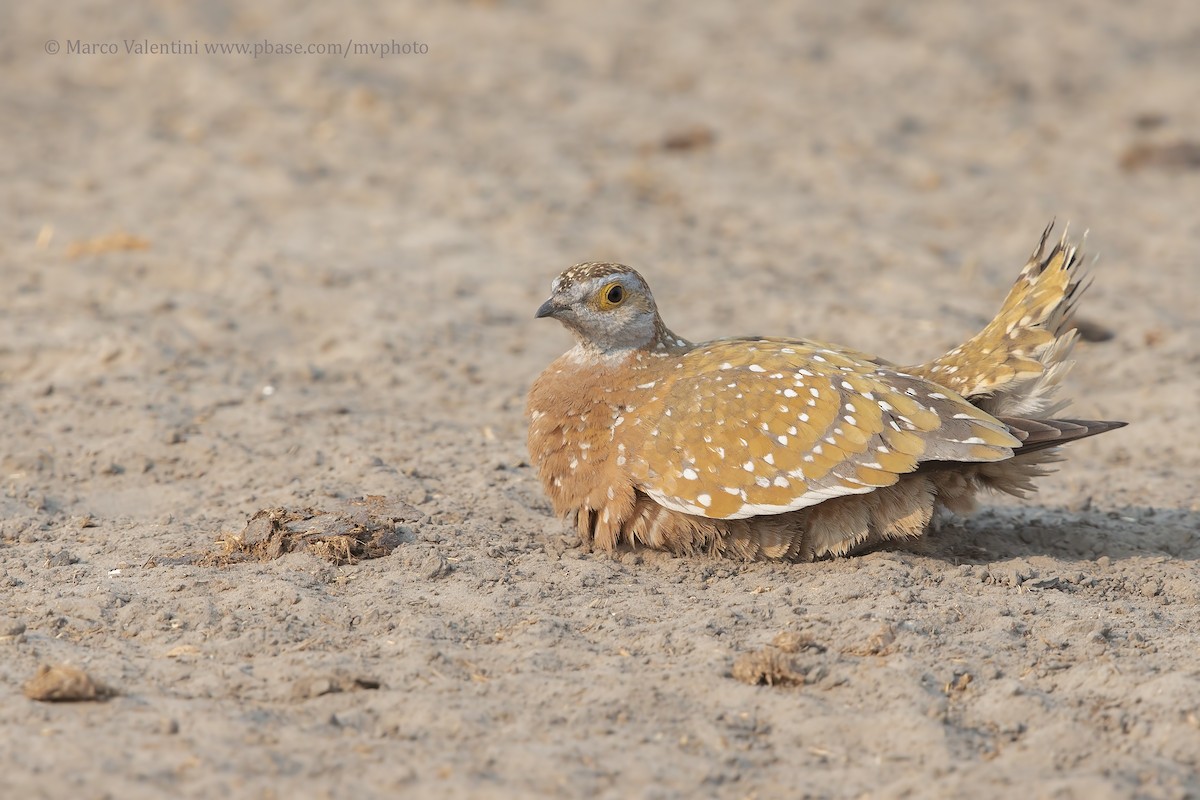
266,329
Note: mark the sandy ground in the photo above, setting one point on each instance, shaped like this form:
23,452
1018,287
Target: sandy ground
233,284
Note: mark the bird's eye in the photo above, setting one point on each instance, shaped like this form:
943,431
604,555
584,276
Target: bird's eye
613,294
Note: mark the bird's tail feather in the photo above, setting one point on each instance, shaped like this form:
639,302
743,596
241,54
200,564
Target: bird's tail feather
1014,365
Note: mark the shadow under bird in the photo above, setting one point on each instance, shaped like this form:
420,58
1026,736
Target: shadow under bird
790,449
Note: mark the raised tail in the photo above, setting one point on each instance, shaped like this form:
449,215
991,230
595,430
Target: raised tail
1013,367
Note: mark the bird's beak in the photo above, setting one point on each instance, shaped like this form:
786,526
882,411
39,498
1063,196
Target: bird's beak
547,309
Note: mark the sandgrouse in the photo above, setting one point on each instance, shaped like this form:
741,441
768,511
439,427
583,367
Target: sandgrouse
790,449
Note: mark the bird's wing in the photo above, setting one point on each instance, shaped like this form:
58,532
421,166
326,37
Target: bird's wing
765,426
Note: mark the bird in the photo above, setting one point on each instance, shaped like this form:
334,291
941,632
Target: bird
781,449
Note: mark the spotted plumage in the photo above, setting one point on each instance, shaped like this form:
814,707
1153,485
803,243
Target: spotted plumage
788,448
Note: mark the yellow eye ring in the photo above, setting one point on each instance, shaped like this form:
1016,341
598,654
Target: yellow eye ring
612,296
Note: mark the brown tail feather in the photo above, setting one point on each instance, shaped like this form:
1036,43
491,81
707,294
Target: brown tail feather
1038,434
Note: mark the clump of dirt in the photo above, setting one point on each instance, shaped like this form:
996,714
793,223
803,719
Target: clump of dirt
62,683
774,664
767,665
693,137
336,683
1178,155
364,529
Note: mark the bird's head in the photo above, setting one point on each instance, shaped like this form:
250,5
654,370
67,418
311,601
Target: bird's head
607,306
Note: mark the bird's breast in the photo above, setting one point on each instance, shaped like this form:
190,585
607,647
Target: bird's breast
586,422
